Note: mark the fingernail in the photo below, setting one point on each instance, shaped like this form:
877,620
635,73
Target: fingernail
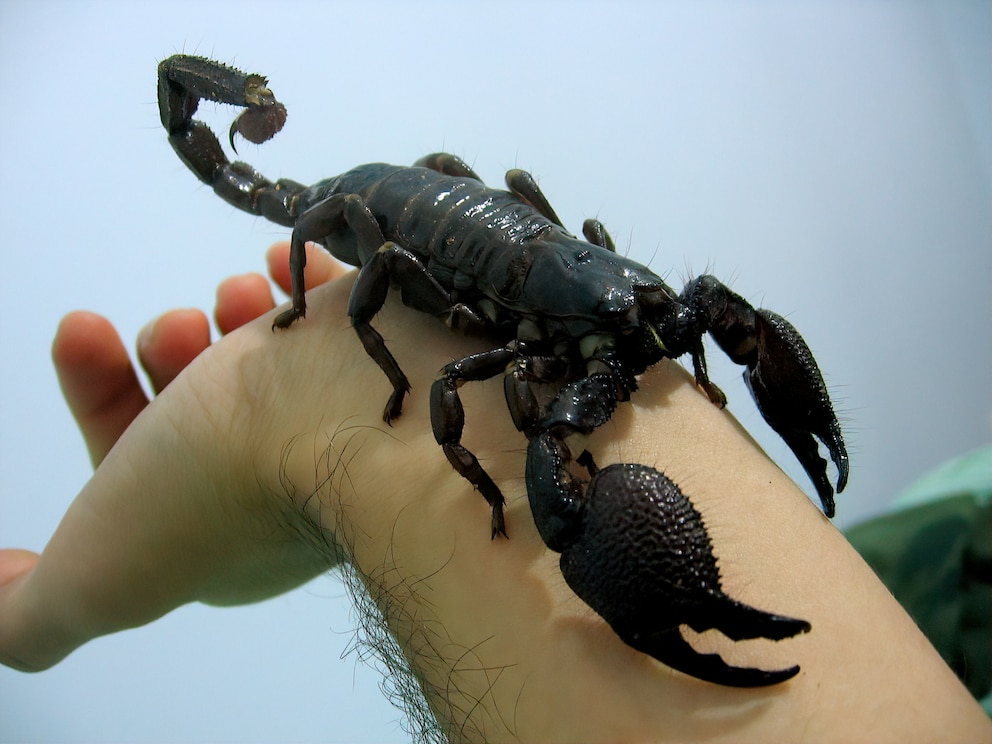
146,336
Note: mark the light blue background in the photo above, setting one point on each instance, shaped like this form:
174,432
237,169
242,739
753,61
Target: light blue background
830,159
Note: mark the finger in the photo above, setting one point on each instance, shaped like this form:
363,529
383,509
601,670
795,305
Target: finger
14,564
240,300
169,343
177,512
97,379
321,267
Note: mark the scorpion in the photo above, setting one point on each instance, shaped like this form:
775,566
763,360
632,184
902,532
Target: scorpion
567,314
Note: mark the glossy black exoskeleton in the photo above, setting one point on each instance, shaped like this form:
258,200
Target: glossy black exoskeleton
567,313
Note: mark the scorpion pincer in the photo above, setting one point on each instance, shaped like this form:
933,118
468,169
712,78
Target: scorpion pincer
632,545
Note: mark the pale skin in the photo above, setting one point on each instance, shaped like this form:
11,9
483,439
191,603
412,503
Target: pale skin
202,495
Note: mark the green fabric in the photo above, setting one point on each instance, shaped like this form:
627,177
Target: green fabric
968,474
934,553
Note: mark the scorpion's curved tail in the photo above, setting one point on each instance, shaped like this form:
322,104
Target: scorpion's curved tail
183,81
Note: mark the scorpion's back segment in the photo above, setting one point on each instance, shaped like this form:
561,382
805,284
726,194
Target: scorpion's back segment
499,261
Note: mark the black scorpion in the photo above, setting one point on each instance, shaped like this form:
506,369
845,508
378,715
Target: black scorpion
632,546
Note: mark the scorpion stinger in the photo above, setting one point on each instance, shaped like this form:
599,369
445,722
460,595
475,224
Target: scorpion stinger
573,325
183,81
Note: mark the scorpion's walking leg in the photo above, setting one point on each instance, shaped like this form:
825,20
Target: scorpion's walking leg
595,232
184,80
524,185
448,421
448,164
382,261
527,409
335,213
781,374
419,290
520,182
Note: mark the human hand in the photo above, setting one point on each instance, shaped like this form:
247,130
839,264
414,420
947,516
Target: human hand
102,388
266,461
98,380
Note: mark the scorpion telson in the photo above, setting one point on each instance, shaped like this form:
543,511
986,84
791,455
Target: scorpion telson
632,545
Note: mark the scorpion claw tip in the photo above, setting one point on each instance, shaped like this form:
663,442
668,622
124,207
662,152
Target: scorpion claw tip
499,523
843,468
646,589
671,649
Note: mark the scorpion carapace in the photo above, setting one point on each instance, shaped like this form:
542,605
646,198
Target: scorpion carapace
632,545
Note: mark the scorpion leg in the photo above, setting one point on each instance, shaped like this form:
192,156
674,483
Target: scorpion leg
520,182
313,225
781,374
531,385
448,164
334,213
382,262
523,184
448,422
595,232
448,416
419,290
184,80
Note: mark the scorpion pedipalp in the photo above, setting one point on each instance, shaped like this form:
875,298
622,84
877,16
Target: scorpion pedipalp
781,373
643,561
635,549
784,360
